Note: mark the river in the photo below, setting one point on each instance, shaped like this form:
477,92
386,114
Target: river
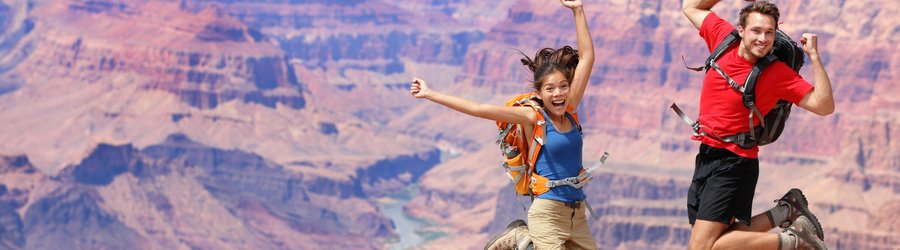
407,228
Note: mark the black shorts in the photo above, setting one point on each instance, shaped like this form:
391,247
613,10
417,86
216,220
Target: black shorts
722,187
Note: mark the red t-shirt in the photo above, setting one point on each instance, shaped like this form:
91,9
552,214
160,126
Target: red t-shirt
721,108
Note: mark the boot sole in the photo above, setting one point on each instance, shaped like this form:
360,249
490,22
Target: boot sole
817,243
804,210
512,225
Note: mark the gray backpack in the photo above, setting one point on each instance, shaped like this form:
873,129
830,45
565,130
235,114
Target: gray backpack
772,124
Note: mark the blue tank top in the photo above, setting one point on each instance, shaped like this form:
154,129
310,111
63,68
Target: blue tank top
560,158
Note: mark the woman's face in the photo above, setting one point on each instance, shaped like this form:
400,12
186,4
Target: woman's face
554,92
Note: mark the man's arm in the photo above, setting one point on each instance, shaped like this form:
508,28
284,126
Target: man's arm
697,10
820,99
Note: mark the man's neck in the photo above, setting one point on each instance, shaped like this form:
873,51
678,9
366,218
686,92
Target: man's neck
746,55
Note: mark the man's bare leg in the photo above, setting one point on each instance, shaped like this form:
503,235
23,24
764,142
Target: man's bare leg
735,239
704,234
759,223
716,235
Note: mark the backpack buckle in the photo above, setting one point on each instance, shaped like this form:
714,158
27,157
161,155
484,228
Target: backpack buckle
742,139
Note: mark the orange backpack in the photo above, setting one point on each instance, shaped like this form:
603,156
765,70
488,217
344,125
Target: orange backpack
519,153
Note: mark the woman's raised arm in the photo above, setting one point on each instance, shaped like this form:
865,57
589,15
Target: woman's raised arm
585,51
521,115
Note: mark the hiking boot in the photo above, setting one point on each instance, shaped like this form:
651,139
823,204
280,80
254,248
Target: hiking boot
514,237
798,206
805,233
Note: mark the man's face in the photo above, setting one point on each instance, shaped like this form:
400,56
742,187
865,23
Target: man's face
758,36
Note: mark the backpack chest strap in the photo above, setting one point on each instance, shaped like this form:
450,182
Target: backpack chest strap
576,181
728,79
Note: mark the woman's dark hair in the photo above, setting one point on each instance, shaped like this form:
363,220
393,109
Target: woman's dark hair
548,60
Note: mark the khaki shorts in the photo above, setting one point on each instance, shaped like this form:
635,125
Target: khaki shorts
554,225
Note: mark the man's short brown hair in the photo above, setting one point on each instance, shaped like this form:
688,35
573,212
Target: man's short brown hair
761,7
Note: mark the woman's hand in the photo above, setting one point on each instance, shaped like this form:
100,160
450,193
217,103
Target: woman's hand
418,88
572,4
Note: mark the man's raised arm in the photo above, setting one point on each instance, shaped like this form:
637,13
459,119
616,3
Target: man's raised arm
696,10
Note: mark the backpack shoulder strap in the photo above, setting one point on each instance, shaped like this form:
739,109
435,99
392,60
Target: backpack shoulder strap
726,42
720,49
749,93
538,134
540,131
574,114
714,55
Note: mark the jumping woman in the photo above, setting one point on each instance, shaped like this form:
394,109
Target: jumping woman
557,217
